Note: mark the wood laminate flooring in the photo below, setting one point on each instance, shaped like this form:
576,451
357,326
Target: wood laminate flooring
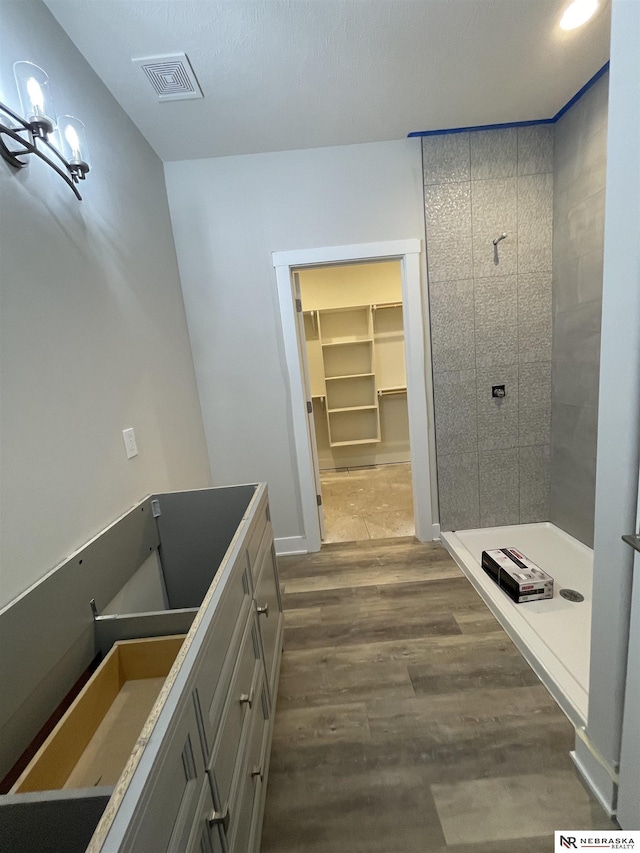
406,718
374,502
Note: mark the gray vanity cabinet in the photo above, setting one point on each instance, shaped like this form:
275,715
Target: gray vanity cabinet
195,781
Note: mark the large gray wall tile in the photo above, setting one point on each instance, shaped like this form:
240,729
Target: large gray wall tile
534,297
497,418
458,491
448,209
574,433
580,228
499,488
448,220
494,205
565,287
534,317
535,149
573,385
494,153
588,228
451,307
576,355
594,154
534,404
534,341
445,158
534,478
496,319
535,222
455,405
449,257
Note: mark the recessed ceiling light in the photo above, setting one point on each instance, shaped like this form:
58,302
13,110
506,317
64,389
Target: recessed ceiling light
578,13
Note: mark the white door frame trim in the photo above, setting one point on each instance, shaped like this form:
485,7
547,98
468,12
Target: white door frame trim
408,253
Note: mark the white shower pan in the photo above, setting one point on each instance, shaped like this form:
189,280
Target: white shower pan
553,635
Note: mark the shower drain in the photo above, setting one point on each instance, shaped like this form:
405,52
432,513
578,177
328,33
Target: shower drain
572,595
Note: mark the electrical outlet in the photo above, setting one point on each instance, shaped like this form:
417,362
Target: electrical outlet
131,447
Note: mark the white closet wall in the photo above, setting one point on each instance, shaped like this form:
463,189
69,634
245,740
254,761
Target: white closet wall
355,350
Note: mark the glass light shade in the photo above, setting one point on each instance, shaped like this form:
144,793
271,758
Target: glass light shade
35,97
73,144
578,13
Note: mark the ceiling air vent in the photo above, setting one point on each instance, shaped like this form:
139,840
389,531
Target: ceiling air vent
171,76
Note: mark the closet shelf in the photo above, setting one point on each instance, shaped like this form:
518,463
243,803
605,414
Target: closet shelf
356,441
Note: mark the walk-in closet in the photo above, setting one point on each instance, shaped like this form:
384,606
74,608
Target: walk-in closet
354,336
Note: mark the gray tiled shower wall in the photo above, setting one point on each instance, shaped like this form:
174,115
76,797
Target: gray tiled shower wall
491,312
525,315
578,213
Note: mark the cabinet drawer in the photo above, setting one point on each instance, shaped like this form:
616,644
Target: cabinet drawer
248,783
269,608
262,555
217,658
204,838
92,743
261,525
240,700
164,815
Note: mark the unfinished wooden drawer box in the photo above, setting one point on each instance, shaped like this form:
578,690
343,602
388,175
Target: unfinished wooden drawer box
92,743
187,562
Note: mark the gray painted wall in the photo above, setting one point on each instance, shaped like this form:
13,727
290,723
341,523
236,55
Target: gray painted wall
93,336
229,214
578,246
490,321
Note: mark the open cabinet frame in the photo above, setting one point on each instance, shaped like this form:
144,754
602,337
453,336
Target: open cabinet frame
420,434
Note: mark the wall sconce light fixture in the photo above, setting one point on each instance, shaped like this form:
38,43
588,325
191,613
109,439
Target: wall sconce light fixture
59,141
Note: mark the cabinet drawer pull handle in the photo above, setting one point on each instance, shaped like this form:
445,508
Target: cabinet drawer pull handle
246,699
263,611
257,771
220,818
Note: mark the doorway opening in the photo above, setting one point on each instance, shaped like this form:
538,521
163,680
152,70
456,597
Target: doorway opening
287,266
357,382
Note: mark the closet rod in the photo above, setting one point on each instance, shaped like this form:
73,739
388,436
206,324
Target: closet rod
383,392
387,305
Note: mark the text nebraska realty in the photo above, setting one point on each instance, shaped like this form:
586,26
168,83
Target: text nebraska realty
570,842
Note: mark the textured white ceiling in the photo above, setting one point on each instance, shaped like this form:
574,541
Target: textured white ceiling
285,74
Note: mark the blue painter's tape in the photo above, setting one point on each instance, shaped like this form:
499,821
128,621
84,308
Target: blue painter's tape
553,120
481,127
579,94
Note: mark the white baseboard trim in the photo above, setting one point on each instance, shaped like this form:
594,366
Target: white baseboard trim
435,532
290,545
597,777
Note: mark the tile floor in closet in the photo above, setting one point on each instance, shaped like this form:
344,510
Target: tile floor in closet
407,721
367,503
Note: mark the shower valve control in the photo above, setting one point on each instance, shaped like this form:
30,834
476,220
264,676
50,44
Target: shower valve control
498,391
